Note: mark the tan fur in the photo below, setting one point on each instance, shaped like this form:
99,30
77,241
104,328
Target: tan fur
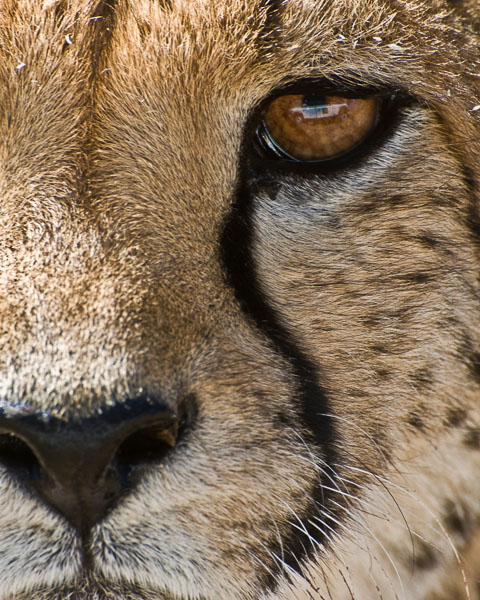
124,153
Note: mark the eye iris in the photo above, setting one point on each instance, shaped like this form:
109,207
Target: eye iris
309,128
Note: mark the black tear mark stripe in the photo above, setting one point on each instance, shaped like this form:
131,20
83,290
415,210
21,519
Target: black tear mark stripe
474,366
312,401
471,356
473,218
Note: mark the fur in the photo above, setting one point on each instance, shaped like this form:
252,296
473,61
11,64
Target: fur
325,326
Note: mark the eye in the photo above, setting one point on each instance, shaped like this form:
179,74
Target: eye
310,128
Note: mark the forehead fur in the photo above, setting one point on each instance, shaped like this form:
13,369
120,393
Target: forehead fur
82,61
300,37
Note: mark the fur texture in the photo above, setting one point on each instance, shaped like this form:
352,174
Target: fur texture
325,326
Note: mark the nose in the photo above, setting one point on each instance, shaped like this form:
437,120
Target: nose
82,468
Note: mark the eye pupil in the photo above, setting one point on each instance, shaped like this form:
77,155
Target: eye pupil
314,128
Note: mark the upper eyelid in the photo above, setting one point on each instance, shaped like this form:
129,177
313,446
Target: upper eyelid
325,87
330,86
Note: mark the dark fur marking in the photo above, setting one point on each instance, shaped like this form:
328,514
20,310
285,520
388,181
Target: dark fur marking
375,203
473,218
456,416
429,240
470,356
166,4
415,420
435,243
105,8
313,404
458,520
59,11
374,320
472,439
474,365
283,419
473,223
416,417
422,378
379,349
469,179
416,278
383,374
425,557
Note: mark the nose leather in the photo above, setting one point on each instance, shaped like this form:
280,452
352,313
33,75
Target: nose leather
82,468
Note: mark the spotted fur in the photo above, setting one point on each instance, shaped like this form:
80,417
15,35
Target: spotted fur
321,329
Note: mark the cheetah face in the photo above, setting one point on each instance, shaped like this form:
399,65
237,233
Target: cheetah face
239,299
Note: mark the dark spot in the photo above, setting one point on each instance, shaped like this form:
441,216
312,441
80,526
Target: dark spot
105,7
383,373
415,420
458,520
268,189
449,322
283,419
471,356
398,200
469,179
472,439
377,203
473,218
166,4
425,557
447,201
103,25
429,240
456,416
334,221
422,378
379,349
474,366
417,278
473,222
372,320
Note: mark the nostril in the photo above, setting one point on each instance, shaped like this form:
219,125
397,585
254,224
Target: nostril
83,468
17,456
147,445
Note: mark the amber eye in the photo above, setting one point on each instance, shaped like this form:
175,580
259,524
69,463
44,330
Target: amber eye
316,128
